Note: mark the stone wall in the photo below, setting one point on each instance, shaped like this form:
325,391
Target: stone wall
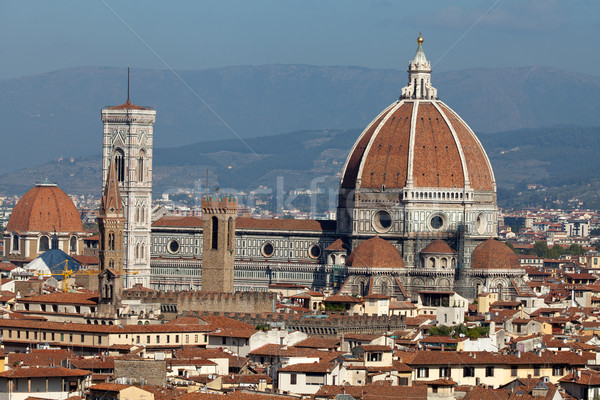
181,302
150,372
323,325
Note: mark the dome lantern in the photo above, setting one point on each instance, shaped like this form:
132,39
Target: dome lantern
419,77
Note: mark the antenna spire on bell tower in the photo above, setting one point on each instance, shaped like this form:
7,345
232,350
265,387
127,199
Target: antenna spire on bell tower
128,84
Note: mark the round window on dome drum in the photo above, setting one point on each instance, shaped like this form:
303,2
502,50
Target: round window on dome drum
314,251
382,221
436,222
267,249
173,246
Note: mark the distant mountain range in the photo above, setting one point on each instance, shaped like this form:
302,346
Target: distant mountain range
559,164
58,113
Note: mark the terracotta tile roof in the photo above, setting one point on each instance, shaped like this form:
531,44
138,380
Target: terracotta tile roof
493,254
356,156
7,266
40,358
40,372
233,396
319,343
235,333
338,245
375,253
317,367
220,321
441,339
128,105
376,347
178,221
480,175
45,208
363,337
62,298
586,377
254,223
338,298
288,351
438,246
109,387
286,224
86,260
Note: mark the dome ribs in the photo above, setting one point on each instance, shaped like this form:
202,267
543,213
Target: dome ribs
437,160
480,174
357,153
43,209
387,158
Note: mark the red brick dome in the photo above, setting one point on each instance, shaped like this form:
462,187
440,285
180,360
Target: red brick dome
45,208
375,253
493,254
438,246
418,142
422,141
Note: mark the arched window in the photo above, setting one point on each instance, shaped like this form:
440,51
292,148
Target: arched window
431,262
44,244
140,167
384,288
120,164
73,244
422,87
362,288
215,233
111,241
111,264
15,242
230,234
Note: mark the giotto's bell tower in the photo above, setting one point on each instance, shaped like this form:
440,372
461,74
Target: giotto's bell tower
127,142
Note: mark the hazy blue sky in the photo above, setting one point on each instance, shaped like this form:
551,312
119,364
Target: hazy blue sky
41,36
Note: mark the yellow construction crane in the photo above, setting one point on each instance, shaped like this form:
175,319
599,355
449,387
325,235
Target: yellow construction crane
66,273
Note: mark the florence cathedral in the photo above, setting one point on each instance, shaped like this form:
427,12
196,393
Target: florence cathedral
416,211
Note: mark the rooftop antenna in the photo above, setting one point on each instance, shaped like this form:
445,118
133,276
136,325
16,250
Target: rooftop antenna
128,84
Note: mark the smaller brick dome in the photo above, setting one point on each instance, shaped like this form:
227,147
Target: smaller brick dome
375,253
44,208
438,246
493,254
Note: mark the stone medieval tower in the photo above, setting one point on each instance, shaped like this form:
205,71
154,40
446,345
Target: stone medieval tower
218,247
128,134
111,223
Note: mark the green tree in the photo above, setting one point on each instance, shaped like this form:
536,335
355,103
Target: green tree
441,330
555,251
576,249
541,249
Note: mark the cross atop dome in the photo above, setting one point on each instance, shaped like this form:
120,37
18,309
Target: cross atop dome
419,77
